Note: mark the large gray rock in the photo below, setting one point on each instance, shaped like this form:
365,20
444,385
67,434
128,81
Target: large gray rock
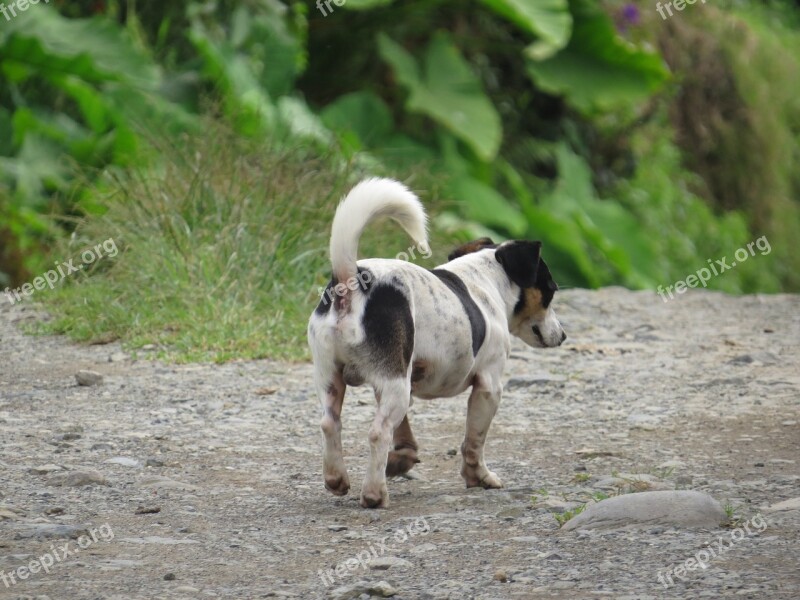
681,508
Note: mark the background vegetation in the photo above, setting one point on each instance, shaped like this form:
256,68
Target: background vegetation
212,140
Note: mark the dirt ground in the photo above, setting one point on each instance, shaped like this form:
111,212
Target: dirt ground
204,481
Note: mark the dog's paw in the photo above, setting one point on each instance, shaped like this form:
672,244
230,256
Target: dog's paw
401,461
338,485
375,500
491,481
488,480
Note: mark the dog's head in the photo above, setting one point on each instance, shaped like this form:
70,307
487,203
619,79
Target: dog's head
533,319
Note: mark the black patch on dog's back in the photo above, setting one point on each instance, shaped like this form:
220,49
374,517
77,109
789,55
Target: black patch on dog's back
329,295
389,329
476,320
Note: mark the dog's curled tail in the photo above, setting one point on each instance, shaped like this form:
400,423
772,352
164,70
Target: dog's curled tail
370,200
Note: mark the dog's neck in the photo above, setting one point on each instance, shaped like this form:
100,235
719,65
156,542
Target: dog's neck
483,267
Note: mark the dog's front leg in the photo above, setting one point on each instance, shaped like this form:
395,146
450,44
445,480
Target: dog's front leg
393,400
331,388
483,403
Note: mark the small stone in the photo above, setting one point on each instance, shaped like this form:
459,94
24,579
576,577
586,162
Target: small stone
452,452
186,589
88,378
9,515
683,508
45,469
500,576
54,511
337,527
382,563
122,460
147,510
509,514
169,577
791,504
102,446
423,548
153,462
117,357
382,589
50,531
77,479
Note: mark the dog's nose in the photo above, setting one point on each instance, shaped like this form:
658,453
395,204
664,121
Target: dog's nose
563,336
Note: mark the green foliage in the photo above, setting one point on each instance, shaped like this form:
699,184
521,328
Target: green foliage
598,70
530,118
445,88
549,20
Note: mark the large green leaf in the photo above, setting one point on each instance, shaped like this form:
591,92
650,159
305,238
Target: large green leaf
362,113
445,89
44,42
549,20
598,70
483,204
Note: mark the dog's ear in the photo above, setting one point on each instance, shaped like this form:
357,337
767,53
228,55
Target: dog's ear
520,260
471,247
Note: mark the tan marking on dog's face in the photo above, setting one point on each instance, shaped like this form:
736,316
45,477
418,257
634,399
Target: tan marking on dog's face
532,308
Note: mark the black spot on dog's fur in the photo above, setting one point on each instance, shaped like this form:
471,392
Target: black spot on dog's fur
389,328
476,320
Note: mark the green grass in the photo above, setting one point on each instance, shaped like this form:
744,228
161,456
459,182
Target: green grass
222,248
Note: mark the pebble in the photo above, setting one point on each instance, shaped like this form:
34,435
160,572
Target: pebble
88,378
123,461
45,469
790,504
382,563
77,479
49,531
381,589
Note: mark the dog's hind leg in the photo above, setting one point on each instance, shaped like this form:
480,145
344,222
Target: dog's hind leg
404,456
483,403
331,388
393,399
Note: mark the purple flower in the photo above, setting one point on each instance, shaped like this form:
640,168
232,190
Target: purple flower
630,13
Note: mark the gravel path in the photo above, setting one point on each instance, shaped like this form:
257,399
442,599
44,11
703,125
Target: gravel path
204,481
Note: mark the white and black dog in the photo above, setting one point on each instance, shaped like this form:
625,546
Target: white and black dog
406,330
